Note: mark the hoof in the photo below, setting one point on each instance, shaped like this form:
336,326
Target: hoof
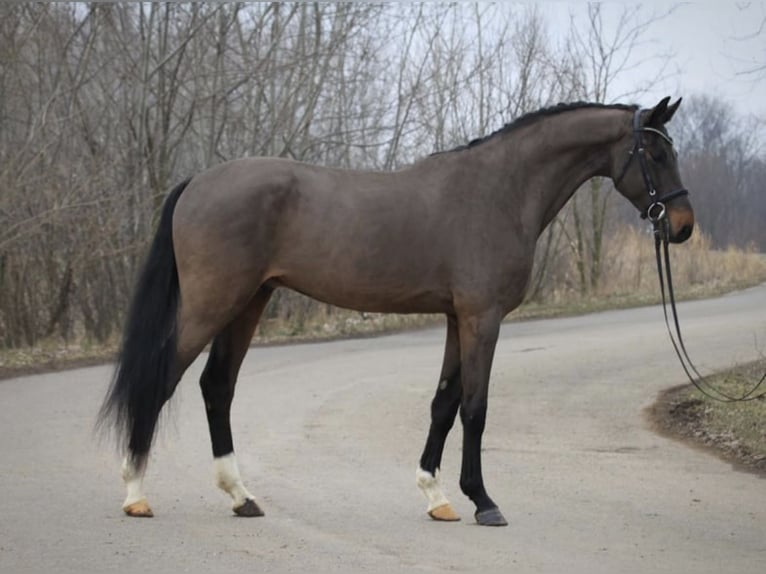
444,513
249,508
139,509
491,517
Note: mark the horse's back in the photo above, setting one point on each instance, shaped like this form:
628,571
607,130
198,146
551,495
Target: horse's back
353,238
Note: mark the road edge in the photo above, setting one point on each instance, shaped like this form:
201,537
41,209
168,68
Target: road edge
664,419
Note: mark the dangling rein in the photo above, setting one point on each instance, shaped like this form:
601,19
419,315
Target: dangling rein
657,214
689,368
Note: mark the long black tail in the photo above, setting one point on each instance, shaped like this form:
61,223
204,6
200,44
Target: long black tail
144,376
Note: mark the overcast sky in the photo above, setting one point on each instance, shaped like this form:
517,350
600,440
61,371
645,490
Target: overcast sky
715,44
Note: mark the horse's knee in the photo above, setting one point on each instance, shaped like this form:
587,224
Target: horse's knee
446,402
443,415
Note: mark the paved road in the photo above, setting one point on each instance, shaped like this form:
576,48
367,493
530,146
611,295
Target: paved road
329,436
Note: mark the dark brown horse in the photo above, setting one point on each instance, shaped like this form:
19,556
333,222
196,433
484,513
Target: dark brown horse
454,233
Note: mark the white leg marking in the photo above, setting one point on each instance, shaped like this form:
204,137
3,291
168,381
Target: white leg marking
227,478
134,481
430,486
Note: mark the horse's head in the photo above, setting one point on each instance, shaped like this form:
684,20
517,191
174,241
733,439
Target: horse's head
646,173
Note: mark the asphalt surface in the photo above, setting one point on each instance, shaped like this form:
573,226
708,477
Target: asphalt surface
328,436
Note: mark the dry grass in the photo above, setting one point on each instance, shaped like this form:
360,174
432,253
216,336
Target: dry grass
629,275
741,424
53,355
735,431
698,270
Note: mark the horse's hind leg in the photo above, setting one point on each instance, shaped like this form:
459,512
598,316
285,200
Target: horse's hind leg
192,339
134,464
195,330
444,408
217,383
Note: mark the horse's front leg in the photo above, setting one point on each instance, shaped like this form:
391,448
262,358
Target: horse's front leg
443,410
478,337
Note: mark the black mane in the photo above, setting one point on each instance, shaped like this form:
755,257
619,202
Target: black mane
532,117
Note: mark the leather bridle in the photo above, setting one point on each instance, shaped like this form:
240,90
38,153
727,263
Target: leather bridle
656,211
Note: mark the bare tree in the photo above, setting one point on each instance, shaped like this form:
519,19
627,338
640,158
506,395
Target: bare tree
721,153
603,56
754,69
105,106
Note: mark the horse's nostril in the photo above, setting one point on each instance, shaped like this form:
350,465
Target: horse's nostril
684,233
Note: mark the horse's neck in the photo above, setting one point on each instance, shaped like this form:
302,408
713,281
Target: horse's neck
561,153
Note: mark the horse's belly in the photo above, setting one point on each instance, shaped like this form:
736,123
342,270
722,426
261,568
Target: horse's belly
359,295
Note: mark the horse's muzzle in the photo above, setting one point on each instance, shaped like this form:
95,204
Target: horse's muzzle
680,225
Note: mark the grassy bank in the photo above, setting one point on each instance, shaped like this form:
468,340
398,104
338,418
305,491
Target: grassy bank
734,431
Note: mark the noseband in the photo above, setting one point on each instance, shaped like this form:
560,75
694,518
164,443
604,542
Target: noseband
656,211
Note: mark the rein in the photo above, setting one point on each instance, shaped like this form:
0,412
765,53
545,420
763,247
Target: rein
678,345
657,214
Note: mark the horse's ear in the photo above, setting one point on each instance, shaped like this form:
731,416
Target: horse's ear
671,111
657,114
